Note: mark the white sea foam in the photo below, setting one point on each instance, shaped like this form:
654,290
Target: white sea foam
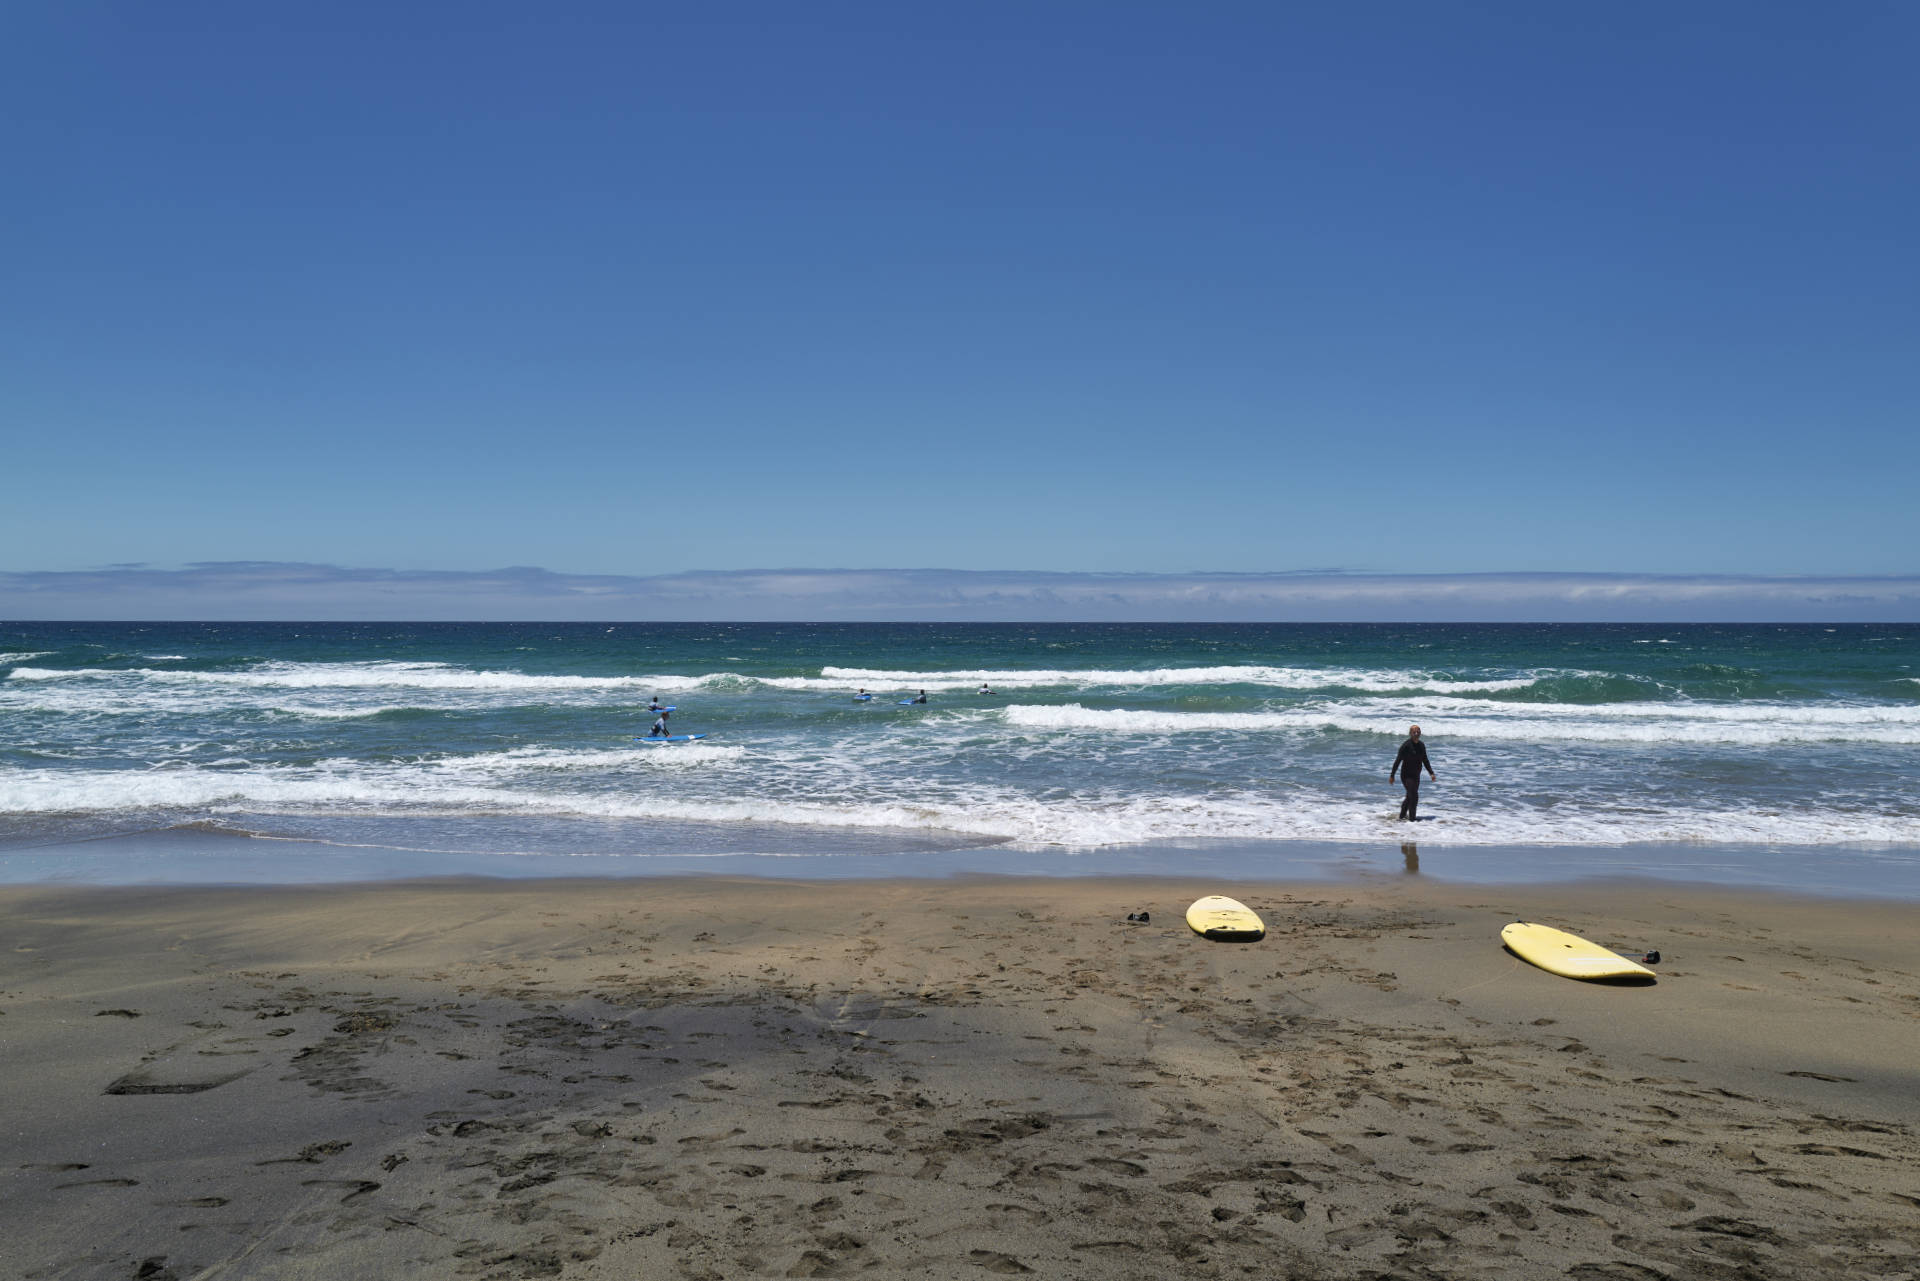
349,691
1756,724
522,760
428,676
485,780
1084,821
1746,723
317,694
137,701
24,656
1073,716
306,712
1301,678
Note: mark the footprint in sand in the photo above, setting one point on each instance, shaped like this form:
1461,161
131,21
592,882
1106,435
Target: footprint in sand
154,1081
355,1187
312,1154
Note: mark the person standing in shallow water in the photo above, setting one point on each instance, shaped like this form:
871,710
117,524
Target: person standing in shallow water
1408,764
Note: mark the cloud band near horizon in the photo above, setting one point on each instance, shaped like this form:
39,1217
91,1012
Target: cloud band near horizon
258,590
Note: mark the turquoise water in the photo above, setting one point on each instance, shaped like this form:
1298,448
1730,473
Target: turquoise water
515,739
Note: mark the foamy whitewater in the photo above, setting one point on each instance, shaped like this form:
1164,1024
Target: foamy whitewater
518,737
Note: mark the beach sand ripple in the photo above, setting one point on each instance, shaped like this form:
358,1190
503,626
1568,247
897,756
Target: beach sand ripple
722,1079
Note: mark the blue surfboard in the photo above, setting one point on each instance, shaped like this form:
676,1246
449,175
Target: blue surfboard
909,702
674,738
672,708
863,698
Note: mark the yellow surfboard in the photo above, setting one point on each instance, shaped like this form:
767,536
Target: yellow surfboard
1568,955
1218,917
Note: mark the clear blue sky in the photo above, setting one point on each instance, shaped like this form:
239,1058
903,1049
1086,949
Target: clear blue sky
638,288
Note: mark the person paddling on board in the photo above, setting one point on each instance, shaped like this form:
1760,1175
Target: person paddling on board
1408,764
659,729
654,705
984,689
922,698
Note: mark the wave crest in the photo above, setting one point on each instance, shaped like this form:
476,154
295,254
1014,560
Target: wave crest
1509,722
1301,678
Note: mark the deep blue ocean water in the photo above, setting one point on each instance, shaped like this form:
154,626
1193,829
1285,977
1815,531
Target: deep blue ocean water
514,739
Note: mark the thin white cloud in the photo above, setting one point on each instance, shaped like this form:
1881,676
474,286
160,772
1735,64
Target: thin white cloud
272,590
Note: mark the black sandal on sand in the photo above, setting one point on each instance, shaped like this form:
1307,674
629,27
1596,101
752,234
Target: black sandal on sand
1138,918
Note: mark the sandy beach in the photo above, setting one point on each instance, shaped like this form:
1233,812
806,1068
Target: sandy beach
714,1078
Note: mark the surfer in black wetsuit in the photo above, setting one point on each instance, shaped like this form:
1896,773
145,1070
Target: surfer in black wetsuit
1408,764
922,698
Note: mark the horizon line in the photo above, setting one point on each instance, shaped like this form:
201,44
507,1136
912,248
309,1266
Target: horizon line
1002,622
278,591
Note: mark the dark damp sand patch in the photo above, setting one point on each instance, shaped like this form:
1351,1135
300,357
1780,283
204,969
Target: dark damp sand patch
717,1078
137,1084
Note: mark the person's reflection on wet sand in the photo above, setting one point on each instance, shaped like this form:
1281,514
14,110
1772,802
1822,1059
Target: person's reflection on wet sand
1412,854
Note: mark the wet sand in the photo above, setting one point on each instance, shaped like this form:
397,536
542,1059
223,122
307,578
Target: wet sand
708,1078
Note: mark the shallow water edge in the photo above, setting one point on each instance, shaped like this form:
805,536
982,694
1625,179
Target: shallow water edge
202,856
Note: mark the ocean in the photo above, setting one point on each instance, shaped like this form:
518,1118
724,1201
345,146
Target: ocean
1775,755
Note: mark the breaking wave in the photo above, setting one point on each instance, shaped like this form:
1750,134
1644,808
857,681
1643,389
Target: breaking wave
441,676
1748,724
1082,822
1300,678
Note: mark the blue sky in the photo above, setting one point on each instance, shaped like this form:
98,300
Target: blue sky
637,289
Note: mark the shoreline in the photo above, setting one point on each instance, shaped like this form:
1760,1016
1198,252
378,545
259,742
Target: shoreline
202,855
725,1077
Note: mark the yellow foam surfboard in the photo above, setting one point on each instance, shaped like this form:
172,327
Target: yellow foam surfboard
1568,955
1218,917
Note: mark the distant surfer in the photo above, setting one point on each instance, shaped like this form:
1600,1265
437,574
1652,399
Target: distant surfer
1408,764
654,705
984,689
922,698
